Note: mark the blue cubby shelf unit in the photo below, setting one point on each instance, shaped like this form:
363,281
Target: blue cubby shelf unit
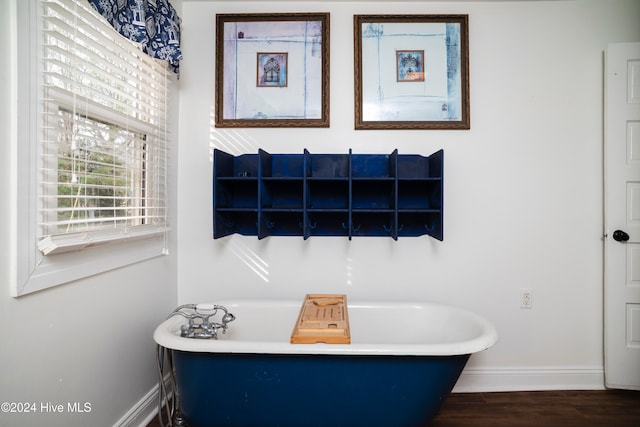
391,195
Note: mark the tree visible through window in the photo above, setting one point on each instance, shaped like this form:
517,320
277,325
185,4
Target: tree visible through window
104,127
101,175
92,147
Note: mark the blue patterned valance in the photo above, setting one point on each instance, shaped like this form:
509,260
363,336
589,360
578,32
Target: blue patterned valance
154,24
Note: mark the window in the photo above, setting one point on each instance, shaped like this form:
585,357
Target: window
99,185
97,176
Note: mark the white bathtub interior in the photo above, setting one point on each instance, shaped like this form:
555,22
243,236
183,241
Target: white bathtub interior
385,328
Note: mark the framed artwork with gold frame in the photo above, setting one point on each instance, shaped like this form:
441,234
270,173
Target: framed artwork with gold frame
272,70
411,72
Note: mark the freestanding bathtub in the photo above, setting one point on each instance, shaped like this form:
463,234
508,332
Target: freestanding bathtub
403,361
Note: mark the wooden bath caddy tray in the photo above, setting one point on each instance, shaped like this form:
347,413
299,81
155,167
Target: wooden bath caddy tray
322,318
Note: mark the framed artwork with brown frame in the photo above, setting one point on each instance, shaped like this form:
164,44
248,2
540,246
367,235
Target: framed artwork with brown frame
411,72
272,70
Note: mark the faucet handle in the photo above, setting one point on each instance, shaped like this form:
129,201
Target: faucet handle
228,317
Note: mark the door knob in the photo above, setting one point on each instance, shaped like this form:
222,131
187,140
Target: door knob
620,236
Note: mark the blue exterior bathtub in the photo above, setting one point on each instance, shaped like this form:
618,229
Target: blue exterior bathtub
263,390
252,376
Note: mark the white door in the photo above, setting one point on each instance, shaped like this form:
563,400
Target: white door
622,216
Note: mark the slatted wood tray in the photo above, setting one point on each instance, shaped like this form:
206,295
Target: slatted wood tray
322,318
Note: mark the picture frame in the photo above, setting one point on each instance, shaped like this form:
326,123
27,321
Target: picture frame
411,72
272,70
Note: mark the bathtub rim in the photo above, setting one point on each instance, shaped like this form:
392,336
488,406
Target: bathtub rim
167,335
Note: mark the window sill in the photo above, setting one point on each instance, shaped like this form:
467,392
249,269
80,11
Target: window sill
54,245
40,272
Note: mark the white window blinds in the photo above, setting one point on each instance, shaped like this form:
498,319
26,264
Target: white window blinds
104,150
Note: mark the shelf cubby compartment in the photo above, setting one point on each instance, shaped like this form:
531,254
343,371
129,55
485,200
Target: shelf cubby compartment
420,194
334,222
230,221
419,222
326,165
308,194
236,193
373,223
230,166
374,193
284,194
327,194
280,223
414,166
281,165
374,165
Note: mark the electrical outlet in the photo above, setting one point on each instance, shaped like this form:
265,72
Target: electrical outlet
525,298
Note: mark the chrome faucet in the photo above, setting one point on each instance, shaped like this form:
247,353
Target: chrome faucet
200,324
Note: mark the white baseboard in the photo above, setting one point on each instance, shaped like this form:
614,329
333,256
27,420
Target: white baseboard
475,380
141,414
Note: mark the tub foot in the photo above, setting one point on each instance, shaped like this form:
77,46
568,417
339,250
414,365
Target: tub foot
179,422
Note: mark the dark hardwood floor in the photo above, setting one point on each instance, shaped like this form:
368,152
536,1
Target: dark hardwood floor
610,408
602,408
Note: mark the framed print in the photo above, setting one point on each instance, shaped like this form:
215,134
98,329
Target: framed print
410,65
272,70
411,72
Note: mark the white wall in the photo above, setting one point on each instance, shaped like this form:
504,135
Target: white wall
523,208
523,187
88,341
